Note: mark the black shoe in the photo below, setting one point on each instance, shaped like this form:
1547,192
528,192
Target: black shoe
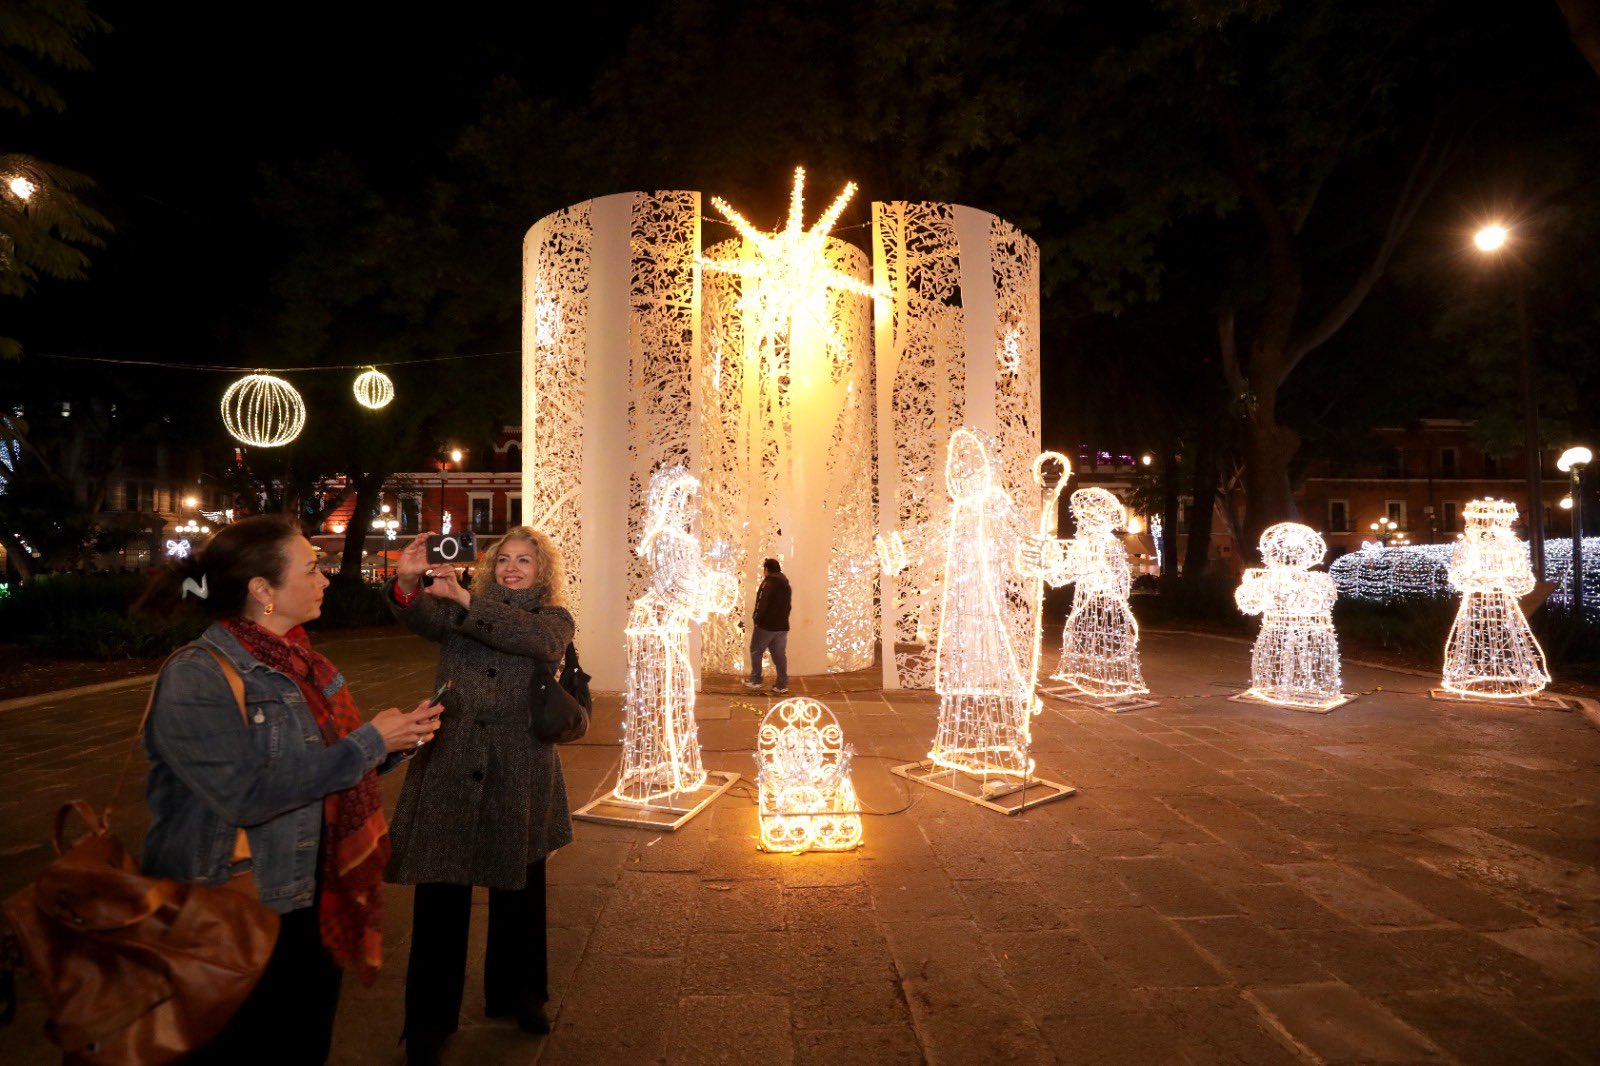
531,1017
425,1049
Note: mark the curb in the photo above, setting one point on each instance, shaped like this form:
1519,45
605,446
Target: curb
70,693
21,702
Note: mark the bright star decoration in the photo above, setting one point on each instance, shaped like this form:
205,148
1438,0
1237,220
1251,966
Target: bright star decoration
786,273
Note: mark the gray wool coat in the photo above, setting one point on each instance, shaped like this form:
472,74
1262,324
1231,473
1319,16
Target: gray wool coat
483,799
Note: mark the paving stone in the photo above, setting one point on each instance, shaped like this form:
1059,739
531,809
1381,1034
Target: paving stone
739,906
1479,963
734,1029
1334,1024
1251,953
961,1004
1009,905
1570,958
1218,1025
1356,896
725,964
1286,907
1145,947
1079,880
1367,961
1170,888
1112,1039
881,1045
1475,1033
1574,1024
1056,974
905,892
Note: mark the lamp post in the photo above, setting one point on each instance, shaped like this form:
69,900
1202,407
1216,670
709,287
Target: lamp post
444,464
1492,240
1571,463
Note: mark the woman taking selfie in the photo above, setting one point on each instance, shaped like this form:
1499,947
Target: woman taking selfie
297,771
485,804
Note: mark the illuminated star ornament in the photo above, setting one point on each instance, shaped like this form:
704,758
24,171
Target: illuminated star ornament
787,272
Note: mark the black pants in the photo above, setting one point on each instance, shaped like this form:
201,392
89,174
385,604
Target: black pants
514,967
289,1015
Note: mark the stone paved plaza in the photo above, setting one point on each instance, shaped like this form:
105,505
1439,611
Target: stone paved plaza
1402,880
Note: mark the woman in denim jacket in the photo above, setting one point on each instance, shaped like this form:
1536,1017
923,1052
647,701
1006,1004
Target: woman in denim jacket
299,777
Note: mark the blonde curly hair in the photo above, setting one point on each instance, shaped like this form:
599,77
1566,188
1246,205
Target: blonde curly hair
551,582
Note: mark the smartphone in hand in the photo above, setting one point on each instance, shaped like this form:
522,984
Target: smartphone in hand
439,693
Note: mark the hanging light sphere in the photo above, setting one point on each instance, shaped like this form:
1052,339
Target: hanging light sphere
263,411
374,389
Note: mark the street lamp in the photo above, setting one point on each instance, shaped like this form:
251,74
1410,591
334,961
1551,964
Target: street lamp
1571,463
1492,240
455,457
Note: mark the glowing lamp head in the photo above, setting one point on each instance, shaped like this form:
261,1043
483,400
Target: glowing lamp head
1491,238
22,188
189,501
1574,459
1566,503
1146,459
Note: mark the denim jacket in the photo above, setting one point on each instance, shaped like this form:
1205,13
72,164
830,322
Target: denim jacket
211,772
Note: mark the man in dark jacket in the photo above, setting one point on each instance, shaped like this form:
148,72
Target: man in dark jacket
771,632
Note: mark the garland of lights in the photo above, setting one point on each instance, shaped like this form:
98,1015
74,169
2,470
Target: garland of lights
805,798
263,411
373,389
1100,642
1295,661
1491,652
660,739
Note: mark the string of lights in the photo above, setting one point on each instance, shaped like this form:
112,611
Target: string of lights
1100,641
1491,652
1295,661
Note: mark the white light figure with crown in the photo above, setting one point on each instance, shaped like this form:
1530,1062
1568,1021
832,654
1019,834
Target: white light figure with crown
660,739
986,698
1491,652
1100,642
1295,662
805,797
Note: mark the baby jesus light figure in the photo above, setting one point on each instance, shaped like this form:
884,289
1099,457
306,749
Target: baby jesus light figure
1295,662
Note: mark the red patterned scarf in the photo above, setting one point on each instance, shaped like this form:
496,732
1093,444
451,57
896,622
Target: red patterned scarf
355,837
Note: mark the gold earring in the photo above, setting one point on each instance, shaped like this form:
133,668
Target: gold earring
271,607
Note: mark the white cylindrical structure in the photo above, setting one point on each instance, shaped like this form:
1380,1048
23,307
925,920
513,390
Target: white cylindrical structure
956,343
611,329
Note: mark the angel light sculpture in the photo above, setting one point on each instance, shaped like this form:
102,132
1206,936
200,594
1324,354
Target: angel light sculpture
1295,662
1100,643
660,740
806,800
1491,652
986,698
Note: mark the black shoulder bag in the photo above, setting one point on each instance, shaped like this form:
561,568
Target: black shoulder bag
561,709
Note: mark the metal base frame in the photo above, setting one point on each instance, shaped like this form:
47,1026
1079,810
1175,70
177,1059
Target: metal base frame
1248,697
1114,704
1540,702
667,814
1003,794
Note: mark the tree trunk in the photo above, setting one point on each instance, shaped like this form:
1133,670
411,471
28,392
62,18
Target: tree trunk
1269,496
1205,504
368,493
1169,517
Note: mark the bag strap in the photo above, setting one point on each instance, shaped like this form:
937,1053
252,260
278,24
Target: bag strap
241,843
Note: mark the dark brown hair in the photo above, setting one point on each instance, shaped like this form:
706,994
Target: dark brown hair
248,549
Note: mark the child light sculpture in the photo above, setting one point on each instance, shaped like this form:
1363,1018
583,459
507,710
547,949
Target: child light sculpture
806,799
1100,643
1295,662
986,698
660,740
1491,652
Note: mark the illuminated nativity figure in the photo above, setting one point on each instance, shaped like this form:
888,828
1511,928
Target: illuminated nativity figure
1491,651
1295,662
660,740
1100,643
984,682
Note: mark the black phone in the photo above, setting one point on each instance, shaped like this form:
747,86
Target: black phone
439,694
453,548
